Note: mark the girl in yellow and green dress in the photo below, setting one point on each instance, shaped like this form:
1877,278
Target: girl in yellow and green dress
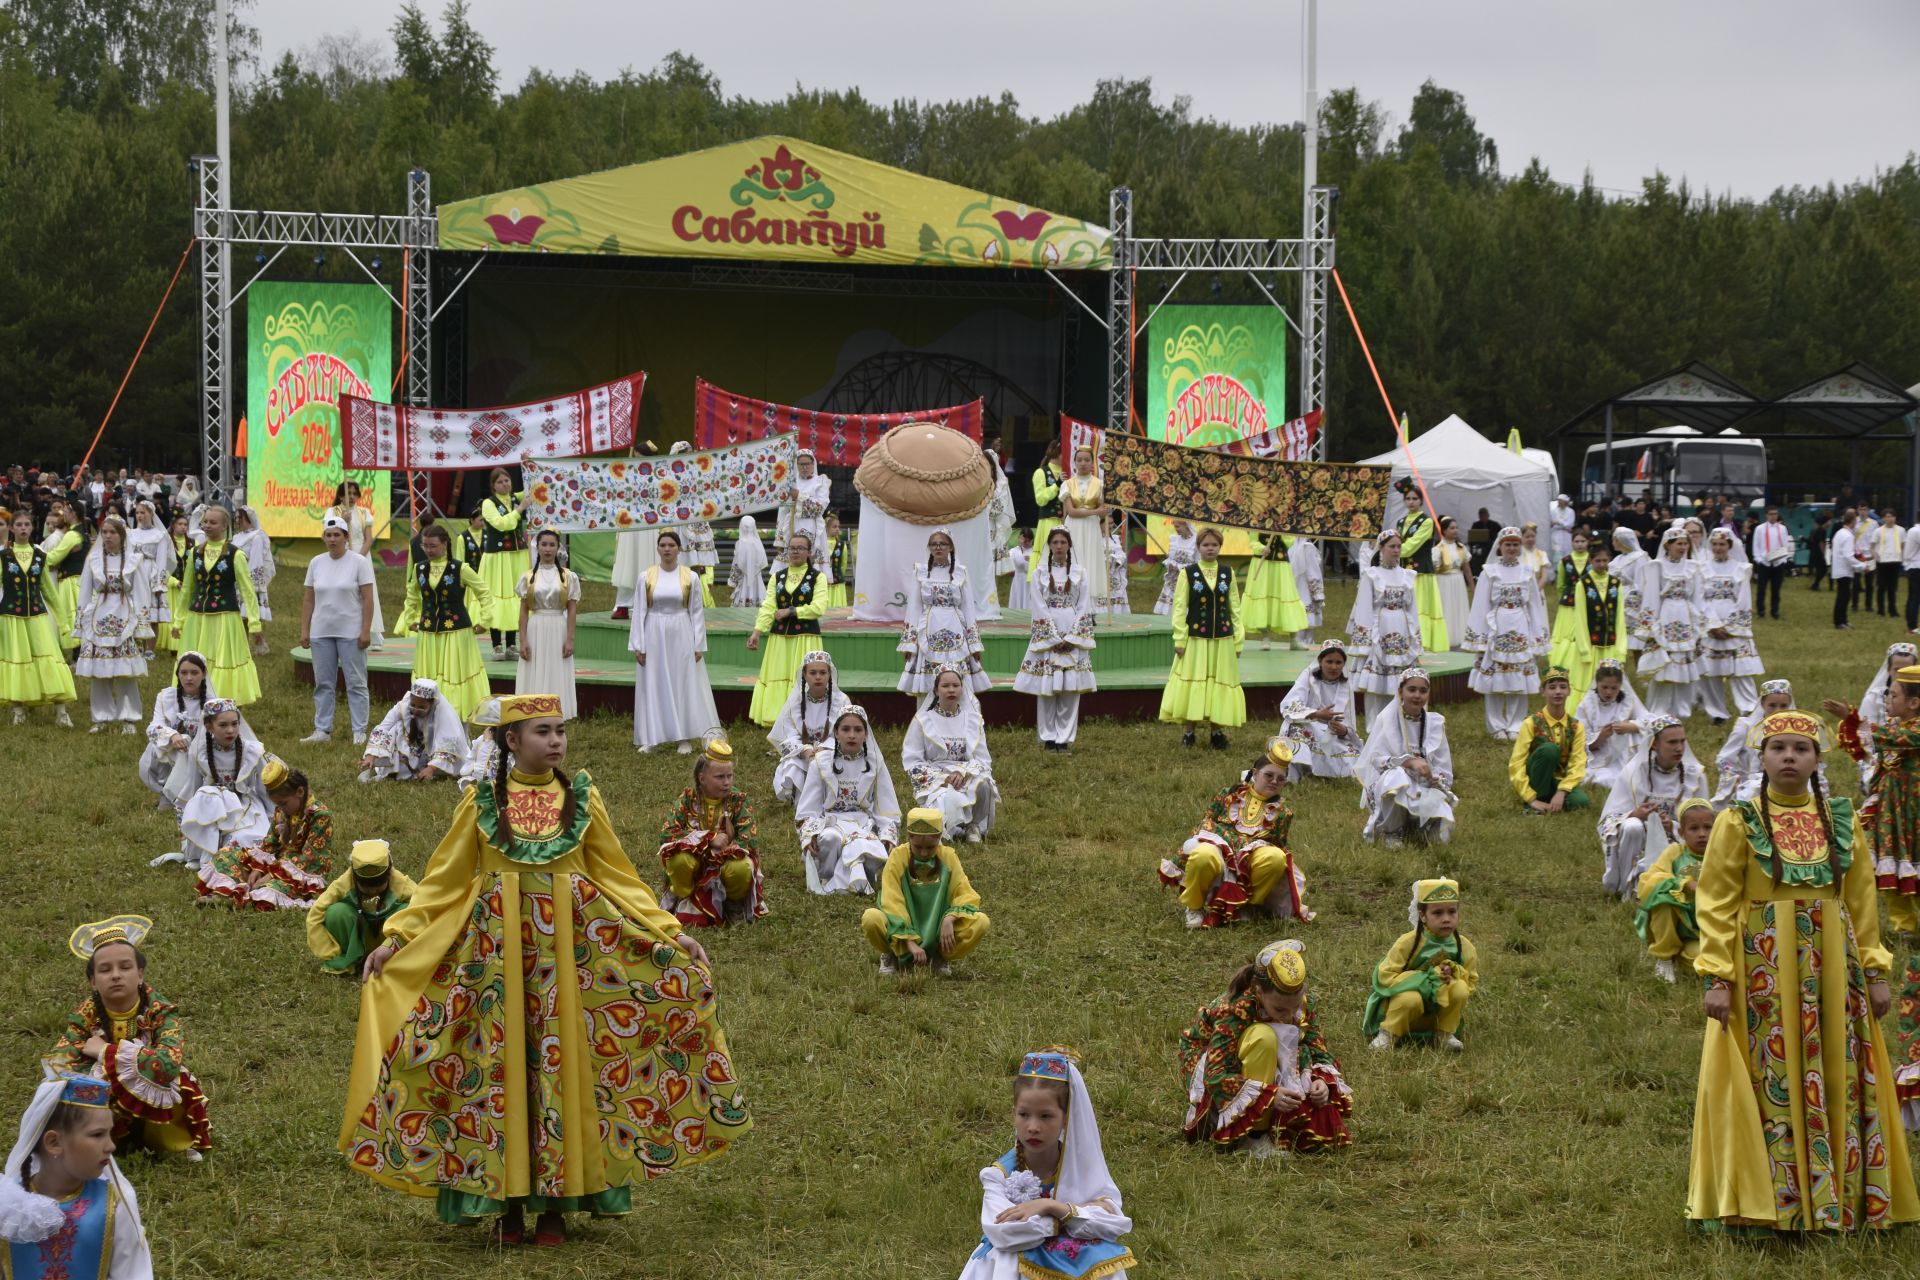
796,599
221,610
1796,1127
535,1012
1567,591
32,672
1208,633
446,608
1272,601
503,558
66,545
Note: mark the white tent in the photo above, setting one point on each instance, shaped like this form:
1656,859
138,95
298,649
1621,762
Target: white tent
1464,471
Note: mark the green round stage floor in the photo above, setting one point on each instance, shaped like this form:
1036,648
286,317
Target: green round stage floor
1131,662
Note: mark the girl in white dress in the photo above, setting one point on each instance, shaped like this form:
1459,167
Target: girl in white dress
672,695
1507,630
258,547
805,727
1641,815
747,577
1182,554
149,537
1727,653
113,626
946,759
1672,627
1082,505
1118,604
1020,556
1310,580
940,628
848,816
1406,769
1738,765
549,607
1873,703
1453,572
1535,556
346,505
1321,723
1628,568
812,496
1383,631
179,714
1058,666
1614,718
217,789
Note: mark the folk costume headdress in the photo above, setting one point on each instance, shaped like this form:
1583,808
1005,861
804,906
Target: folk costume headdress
1427,892
1284,964
1803,723
1082,1172
26,1217
90,937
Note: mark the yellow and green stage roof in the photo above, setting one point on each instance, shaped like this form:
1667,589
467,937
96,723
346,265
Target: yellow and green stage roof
774,199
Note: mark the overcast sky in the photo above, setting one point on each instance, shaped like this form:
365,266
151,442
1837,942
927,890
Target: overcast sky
1735,95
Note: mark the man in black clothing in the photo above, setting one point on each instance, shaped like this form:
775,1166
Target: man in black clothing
1480,536
1817,539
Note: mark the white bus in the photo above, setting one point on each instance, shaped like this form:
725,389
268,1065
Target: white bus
1675,464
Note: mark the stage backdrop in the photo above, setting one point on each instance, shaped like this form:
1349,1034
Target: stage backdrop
1215,375
307,344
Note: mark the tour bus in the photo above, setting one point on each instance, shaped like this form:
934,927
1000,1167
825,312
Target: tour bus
1676,464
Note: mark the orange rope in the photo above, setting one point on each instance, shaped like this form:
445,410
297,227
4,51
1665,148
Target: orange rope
1399,432
138,352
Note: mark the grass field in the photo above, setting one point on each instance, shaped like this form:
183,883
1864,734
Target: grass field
1556,1145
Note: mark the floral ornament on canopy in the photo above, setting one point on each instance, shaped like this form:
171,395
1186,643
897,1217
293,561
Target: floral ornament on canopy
1341,501
582,495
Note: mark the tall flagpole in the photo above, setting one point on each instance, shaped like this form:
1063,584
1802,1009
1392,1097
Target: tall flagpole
222,147
1309,112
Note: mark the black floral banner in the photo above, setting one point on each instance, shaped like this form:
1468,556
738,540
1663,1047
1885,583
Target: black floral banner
1343,501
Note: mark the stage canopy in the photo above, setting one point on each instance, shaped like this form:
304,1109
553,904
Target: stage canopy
773,199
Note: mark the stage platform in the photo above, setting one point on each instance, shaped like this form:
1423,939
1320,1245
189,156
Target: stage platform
1131,662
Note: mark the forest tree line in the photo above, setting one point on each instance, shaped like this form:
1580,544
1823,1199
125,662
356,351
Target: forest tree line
1513,299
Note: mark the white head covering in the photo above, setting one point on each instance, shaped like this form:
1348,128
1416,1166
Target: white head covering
969,700
749,557
1736,547
792,718
1873,705
25,1216
1082,1175
332,521
425,689
1625,539
1676,532
1628,704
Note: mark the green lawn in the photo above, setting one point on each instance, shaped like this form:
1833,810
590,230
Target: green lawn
1557,1144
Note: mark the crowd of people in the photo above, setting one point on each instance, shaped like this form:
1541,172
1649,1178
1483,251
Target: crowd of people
1588,660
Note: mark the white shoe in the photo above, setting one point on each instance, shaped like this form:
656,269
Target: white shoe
685,748
1260,1146
887,966
944,969
1381,1041
359,736
95,727
499,654
513,653
128,729
191,1156
1663,970
61,718
1451,1044
973,836
19,714
172,855
1196,919
1393,842
317,737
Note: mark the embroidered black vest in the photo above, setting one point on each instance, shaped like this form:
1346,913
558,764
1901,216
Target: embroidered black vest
1210,605
1570,575
840,547
472,551
443,604
1410,525
20,586
800,595
213,589
182,548
1051,510
1603,618
515,539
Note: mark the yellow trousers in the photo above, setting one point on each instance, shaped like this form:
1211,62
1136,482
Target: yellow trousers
1407,1012
967,932
736,876
1666,943
1205,866
1903,912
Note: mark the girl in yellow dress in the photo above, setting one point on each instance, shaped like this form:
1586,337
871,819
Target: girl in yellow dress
536,1034
1208,633
1272,602
447,605
66,546
165,639
796,599
32,672
503,558
1666,920
1795,1125
221,610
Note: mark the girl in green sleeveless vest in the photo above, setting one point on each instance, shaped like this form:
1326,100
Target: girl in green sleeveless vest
66,546
32,672
796,598
166,639
1272,600
221,610
1047,486
1204,687
503,558
447,604
1568,578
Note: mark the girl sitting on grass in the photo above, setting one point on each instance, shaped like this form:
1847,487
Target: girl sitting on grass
1665,921
1048,1207
1420,989
217,790
287,869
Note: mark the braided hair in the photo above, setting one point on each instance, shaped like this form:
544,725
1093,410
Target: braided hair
866,757
1826,827
180,693
1047,553
239,750
827,730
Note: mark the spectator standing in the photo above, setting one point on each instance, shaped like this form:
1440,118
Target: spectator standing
1889,550
1772,552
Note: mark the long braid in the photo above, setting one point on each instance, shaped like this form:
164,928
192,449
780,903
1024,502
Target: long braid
1826,825
1773,846
569,804
500,770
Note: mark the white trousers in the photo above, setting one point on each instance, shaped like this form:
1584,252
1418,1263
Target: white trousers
117,698
1725,698
1668,698
1506,712
1057,717
1634,847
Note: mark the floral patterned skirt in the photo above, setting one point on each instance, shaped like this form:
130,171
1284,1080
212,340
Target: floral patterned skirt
559,1054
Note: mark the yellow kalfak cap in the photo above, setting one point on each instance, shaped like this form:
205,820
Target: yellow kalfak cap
1285,964
1804,723
1279,752
529,706
274,773
925,822
89,938
371,859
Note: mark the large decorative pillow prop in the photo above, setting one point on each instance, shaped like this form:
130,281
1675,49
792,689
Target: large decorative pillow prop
923,473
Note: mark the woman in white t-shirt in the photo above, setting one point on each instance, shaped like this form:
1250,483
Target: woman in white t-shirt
336,624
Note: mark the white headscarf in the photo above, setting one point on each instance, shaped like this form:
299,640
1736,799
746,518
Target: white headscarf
1082,1175
793,715
27,1217
1873,705
749,557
